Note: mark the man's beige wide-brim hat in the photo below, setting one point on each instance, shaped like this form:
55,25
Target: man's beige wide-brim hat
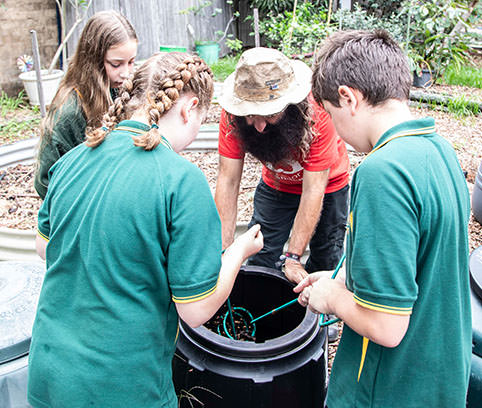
264,83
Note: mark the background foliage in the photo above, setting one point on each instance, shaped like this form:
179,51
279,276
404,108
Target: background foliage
433,33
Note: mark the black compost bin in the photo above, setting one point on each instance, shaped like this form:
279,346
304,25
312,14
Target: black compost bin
474,396
286,366
20,283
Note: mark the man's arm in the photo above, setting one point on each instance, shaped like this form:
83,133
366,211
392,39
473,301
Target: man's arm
306,220
330,296
226,196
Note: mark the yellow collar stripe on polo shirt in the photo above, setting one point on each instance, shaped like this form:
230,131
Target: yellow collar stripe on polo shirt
164,141
412,132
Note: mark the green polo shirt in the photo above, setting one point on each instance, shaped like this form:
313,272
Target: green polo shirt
68,131
407,254
130,233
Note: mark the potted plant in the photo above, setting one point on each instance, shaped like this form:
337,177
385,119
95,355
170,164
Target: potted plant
51,77
433,38
422,73
208,49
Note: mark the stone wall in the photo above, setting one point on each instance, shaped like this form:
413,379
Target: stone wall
17,18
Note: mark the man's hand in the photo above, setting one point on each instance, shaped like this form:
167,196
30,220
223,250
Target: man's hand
294,271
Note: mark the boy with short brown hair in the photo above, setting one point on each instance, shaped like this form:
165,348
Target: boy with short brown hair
405,299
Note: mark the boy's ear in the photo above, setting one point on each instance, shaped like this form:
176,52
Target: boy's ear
188,106
349,97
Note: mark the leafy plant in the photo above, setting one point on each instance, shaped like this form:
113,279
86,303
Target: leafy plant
431,34
280,6
361,19
224,67
274,6
380,9
234,44
15,130
296,34
204,10
9,104
18,120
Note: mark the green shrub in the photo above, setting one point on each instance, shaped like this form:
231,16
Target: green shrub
360,19
280,6
302,36
379,8
223,67
430,36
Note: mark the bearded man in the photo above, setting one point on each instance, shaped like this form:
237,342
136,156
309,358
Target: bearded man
268,111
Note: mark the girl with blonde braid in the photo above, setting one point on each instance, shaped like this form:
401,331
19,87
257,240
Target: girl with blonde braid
132,241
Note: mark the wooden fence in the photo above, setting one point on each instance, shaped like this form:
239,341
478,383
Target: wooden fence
159,22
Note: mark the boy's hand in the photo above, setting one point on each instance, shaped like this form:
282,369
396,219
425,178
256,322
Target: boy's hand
294,271
315,291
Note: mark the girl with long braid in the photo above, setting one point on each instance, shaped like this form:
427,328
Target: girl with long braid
103,59
132,241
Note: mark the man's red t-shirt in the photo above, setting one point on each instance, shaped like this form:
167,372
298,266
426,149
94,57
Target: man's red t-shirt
327,151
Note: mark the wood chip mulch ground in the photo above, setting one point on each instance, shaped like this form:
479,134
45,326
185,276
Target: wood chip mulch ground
19,202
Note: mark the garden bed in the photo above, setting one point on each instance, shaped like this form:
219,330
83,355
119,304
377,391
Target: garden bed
19,202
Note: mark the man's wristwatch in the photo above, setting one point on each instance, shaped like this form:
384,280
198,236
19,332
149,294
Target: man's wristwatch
285,256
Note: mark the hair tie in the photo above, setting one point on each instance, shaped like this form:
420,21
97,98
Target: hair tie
104,129
154,126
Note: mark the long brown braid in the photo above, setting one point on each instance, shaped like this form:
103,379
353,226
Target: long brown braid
156,86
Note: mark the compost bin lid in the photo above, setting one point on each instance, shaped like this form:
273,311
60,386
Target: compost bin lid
475,266
20,284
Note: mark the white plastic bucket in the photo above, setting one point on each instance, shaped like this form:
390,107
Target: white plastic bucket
50,84
477,196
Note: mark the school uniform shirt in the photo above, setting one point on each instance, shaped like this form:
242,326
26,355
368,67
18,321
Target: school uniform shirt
327,151
68,131
130,232
407,254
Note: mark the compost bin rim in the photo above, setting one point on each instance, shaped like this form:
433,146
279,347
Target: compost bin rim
261,355
288,343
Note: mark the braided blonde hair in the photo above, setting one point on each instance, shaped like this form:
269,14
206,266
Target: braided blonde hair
156,86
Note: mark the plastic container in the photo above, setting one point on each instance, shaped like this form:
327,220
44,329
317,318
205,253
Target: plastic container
208,51
285,367
50,84
424,80
477,195
20,284
475,386
172,48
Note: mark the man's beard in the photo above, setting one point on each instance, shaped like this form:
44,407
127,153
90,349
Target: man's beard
277,142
